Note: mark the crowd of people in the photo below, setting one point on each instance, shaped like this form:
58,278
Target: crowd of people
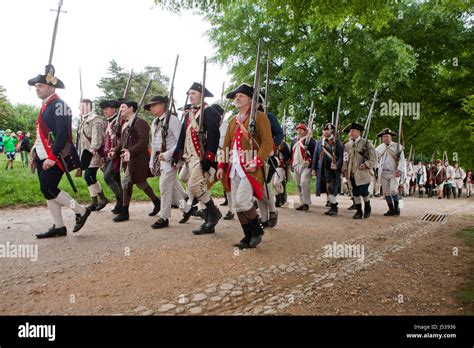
12,143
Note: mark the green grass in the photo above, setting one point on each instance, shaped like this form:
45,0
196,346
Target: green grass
21,188
467,296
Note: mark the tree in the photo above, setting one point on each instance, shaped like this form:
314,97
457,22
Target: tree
410,52
113,85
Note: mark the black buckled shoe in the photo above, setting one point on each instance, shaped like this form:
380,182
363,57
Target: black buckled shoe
81,220
161,223
187,215
333,210
53,232
229,216
303,207
156,208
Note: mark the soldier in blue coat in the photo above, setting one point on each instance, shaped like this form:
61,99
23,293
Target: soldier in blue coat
54,143
327,163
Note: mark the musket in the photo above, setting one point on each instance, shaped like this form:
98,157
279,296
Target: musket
256,89
79,121
265,107
332,117
336,133
185,102
201,135
166,121
283,121
400,129
411,151
310,124
119,113
432,157
135,115
369,117
222,93
50,60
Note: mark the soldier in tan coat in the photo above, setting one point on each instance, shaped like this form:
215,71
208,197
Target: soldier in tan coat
243,165
91,141
359,161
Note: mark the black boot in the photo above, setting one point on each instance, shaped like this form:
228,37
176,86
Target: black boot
94,204
187,215
160,223
214,215
390,210
459,192
156,208
453,189
273,220
244,243
396,210
123,216
353,206
367,209
103,201
278,200
226,202
118,205
257,232
81,220
328,204
202,229
358,214
303,207
333,211
53,232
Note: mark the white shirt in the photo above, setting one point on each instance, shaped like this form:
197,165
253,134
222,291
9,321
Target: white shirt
236,166
38,146
174,129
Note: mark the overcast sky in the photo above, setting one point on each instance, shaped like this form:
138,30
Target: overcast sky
91,33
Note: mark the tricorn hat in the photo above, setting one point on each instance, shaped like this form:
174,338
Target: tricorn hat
353,125
196,86
48,78
386,131
109,104
328,126
246,89
156,100
130,104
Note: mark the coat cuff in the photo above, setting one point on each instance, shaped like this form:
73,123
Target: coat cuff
258,162
222,165
210,156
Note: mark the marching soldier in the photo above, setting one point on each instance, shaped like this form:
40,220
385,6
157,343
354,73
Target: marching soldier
359,159
53,150
244,169
267,205
429,185
458,182
391,166
222,131
448,185
112,167
327,164
282,174
91,141
439,176
201,166
420,177
134,157
302,152
160,162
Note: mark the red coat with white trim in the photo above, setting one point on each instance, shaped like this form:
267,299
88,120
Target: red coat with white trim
236,135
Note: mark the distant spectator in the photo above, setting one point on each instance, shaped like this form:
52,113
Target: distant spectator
10,142
1,141
25,148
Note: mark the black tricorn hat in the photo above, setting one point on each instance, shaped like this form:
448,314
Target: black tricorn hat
109,104
129,103
353,125
246,89
218,108
329,126
386,131
196,86
186,107
48,78
156,100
